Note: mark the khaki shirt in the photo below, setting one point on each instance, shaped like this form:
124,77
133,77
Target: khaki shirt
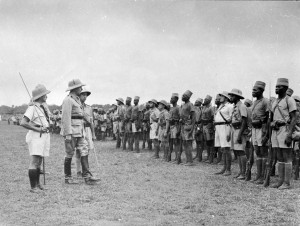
207,113
72,107
121,112
88,113
154,114
198,114
175,113
286,105
164,116
36,115
239,111
135,113
186,111
226,111
259,109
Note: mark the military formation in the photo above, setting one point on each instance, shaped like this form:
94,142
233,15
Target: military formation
266,131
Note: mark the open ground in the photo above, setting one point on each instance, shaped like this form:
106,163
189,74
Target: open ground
134,190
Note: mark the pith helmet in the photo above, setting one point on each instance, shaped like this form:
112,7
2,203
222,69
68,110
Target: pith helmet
225,94
73,84
121,100
39,91
237,92
85,90
153,101
165,103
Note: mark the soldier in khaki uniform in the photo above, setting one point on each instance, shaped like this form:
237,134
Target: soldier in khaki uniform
174,127
74,133
136,124
238,126
146,127
120,114
128,125
36,120
154,115
282,121
198,129
164,128
187,120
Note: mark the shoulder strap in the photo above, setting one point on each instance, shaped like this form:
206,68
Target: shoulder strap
276,106
222,114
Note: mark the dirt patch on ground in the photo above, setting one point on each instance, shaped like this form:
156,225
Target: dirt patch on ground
134,190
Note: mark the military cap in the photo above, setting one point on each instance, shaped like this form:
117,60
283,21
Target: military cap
282,82
153,101
289,92
296,98
248,101
39,91
136,98
175,95
208,97
224,94
120,99
165,103
236,92
188,93
73,84
260,84
128,99
85,90
200,100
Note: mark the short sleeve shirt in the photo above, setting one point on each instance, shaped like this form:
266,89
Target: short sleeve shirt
135,112
174,113
207,113
36,115
239,111
226,110
154,113
128,112
186,111
286,106
259,109
164,116
198,113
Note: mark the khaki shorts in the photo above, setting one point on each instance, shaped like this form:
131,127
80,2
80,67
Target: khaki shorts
38,145
134,130
208,132
234,144
153,128
278,137
174,129
221,136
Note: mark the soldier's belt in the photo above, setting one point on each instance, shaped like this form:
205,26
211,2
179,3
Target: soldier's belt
221,123
206,121
77,117
87,125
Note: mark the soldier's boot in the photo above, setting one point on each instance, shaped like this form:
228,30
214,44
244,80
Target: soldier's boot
243,160
38,184
228,163
259,169
263,170
219,157
208,154
224,166
124,140
169,154
281,172
287,176
150,144
212,155
130,142
144,144
156,150
240,167
67,171
32,174
118,143
235,155
88,177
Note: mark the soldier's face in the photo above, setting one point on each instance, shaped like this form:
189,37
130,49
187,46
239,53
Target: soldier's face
151,105
44,98
256,92
128,102
173,100
160,106
206,101
83,97
136,102
222,99
233,98
280,89
77,91
217,100
184,98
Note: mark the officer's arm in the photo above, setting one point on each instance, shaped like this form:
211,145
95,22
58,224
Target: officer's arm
25,122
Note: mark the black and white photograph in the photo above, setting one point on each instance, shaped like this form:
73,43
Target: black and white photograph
149,113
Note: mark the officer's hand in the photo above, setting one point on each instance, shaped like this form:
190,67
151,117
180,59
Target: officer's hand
288,140
68,138
239,139
44,130
228,138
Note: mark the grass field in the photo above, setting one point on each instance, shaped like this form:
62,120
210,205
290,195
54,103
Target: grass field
134,190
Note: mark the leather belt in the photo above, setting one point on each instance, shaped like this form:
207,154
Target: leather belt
77,117
221,123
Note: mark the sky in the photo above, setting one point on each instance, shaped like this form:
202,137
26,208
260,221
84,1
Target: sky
149,49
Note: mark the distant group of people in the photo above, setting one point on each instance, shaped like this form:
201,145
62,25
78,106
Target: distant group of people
268,127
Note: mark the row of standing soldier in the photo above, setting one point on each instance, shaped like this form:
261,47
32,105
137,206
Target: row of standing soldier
268,127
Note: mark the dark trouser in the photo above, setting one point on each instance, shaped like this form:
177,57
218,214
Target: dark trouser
137,141
118,137
127,138
156,148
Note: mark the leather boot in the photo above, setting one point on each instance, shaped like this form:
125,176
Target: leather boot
67,171
281,172
150,144
287,176
38,180
124,141
224,167
118,144
263,169
156,147
240,167
258,167
243,160
32,173
212,155
219,158
228,163
86,174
